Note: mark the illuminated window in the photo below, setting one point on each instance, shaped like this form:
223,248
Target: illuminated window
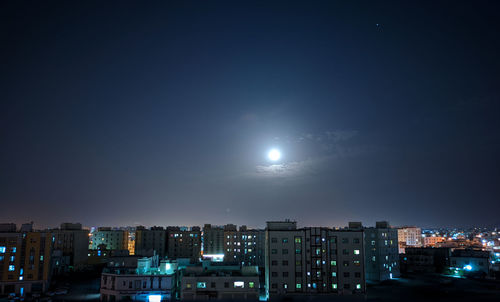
334,285
358,286
334,274
356,252
13,250
356,262
298,251
239,284
373,242
285,240
11,268
298,239
285,286
2,249
201,285
333,262
298,286
251,284
12,258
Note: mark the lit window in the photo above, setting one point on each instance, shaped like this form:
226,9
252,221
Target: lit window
13,249
334,274
21,278
239,284
188,285
12,258
334,285
333,262
356,262
201,285
298,240
11,268
298,286
251,284
2,249
356,252
285,286
358,286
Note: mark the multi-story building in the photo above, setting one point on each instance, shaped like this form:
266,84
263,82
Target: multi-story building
425,259
432,240
471,260
213,241
381,252
152,280
409,236
25,262
72,242
184,242
149,242
108,239
220,282
244,246
313,260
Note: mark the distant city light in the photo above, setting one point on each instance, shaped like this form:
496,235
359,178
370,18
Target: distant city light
468,267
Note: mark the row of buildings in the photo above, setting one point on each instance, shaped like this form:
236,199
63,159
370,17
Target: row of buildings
222,261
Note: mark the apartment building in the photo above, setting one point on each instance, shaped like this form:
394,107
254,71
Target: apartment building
213,241
183,242
107,238
72,242
381,252
150,241
409,236
244,246
25,262
313,260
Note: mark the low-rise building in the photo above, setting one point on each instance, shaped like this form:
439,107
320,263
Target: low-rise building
220,282
425,259
471,260
432,240
152,280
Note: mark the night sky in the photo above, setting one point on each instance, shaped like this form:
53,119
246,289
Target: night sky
162,113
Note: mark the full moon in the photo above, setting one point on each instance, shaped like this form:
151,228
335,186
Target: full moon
274,154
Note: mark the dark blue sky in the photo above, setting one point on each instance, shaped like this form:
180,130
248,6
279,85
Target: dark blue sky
162,113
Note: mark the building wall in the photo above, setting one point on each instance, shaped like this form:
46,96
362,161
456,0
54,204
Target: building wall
115,287
213,240
314,261
25,262
184,243
409,237
73,243
111,239
227,288
149,241
381,254
245,247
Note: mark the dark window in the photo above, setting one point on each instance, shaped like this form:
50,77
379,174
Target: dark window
347,286
285,274
285,262
212,285
274,274
346,274
274,240
357,274
345,240
226,284
274,262
284,251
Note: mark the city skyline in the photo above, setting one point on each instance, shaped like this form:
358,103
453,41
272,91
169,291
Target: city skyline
125,113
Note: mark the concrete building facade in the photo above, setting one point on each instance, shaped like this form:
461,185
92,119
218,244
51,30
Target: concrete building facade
313,260
381,252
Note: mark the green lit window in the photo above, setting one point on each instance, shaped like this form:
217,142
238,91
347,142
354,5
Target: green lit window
298,286
298,251
358,286
251,284
298,240
333,262
334,286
